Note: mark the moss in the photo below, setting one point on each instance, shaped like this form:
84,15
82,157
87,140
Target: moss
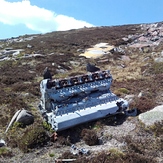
157,128
48,127
21,54
97,125
17,124
157,68
51,154
115,153
121,91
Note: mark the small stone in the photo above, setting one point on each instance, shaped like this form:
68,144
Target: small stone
2,143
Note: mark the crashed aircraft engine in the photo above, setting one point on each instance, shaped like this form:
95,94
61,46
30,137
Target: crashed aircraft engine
71,101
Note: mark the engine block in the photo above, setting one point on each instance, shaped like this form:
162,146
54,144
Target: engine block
71,101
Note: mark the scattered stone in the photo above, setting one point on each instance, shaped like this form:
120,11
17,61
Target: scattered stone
78,151
9,48
92,68
152,37
2,143
62,71
122,65
129,98
125,39
81,50
161,54
29,46
1,46
140,94
64,160
32,55
125,58
74,63
9,54
159,58
103,60
118,49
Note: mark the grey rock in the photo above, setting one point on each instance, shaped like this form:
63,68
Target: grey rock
161,54
76,151
132,112
32,55
92,68
159,59
152,116
47,74
2,56
140,94
62,71
81,50
125,39
29,46
2,143
75,63
23,116
129,98
9,48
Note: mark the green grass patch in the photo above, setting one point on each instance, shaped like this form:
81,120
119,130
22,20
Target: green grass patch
121,91
157,68
4,151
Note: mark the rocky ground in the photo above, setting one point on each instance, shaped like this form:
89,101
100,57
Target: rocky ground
136,64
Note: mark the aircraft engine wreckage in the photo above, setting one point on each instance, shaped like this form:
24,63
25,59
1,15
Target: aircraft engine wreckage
71,101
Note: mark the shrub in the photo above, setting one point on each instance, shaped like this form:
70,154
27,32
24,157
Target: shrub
63,140
101,157
157,68
157,128
143,104
138,158
90,137
67,155
32,136
143,149
115,153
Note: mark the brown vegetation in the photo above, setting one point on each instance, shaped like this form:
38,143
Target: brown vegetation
20,79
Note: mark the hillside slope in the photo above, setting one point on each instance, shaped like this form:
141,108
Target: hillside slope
136,64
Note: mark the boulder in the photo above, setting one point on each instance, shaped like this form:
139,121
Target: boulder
152,116
25,117
22,116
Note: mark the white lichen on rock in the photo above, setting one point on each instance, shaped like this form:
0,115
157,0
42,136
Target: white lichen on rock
152,116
